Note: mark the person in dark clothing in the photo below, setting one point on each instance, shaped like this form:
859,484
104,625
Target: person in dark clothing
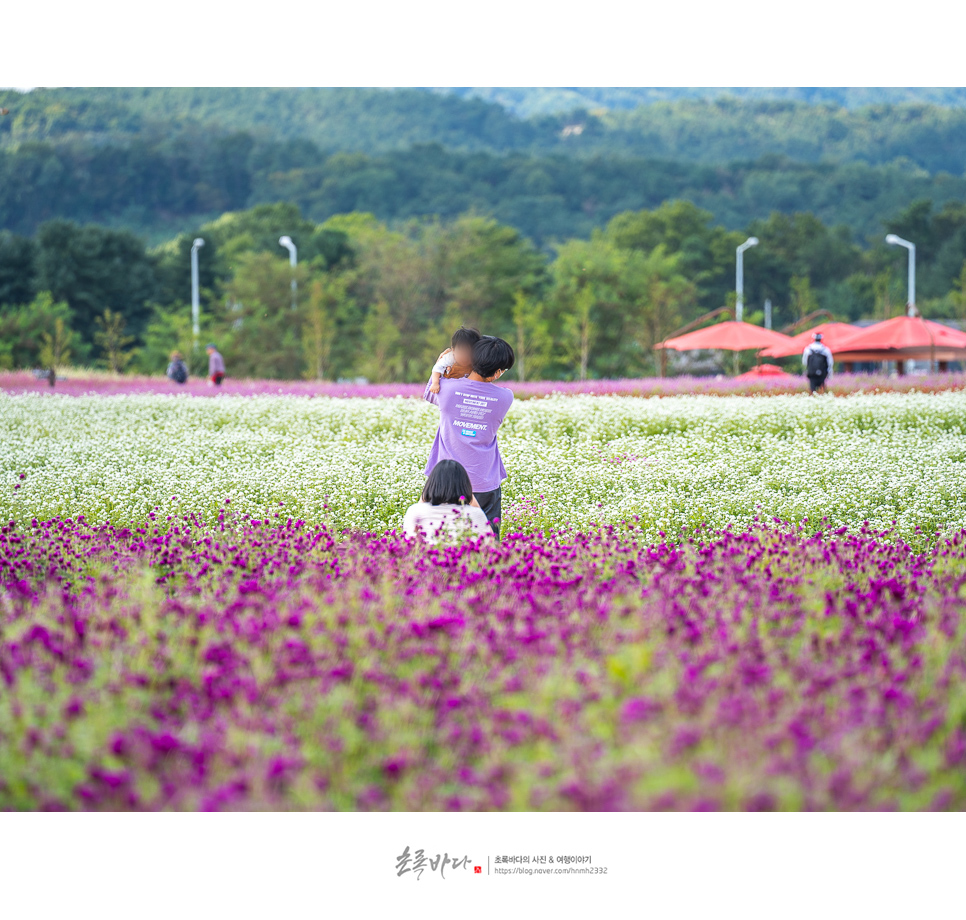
177,369
817,360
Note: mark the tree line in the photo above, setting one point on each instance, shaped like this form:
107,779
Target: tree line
927,127
380,300
160,160
159,188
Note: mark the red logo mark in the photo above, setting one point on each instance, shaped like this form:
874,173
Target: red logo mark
478,870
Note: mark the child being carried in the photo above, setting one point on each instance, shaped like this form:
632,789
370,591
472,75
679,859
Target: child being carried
456,361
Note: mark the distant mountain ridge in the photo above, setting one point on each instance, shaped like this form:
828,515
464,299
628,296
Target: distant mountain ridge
161,159
528,101
376,121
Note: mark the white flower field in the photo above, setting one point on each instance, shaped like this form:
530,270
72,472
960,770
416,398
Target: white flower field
573,460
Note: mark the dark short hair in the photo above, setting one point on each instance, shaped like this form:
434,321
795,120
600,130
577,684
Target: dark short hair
447,484
491,355
465,336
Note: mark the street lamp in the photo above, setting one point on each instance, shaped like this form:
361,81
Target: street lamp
293,260
911,283
195,309
740,275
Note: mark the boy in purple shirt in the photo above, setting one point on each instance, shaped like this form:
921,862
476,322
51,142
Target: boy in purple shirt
471,410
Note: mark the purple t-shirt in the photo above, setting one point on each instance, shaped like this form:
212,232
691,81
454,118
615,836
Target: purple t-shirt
470,411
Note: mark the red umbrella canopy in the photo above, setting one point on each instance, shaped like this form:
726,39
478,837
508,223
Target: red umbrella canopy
832,335
903,332
728,336
763,370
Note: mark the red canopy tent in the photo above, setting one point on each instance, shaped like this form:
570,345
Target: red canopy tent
903,338
833,334
727,336
764,371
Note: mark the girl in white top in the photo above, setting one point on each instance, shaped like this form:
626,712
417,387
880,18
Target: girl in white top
447,508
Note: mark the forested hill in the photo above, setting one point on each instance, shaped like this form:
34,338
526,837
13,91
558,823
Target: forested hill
160,161
714,131
534,100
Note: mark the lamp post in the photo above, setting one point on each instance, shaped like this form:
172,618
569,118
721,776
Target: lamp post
195,309
293,260
894,240
740,276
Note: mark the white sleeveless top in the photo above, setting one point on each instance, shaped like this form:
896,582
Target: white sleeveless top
438,522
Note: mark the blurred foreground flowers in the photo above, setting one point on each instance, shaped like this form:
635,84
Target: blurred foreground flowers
273,664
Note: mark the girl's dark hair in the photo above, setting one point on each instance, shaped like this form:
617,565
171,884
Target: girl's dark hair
465,336
447,484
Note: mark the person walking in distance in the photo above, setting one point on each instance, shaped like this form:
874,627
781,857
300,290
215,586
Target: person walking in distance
817,360
471,409
216,365
177,369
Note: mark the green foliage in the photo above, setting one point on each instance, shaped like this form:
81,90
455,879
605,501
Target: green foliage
534,100
705,253
170,330
23,330
589,299
803,299
133,158
95,269
17,273
958,295
328,303
532,340
55,345
258,324
940,238
382,361
113,342
666,296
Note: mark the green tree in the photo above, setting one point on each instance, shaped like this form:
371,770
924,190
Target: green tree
170,330
595,298
262,331
705,252
958,294
22,329
114,343
382,361
480,265
803,300
533,343
663,295
93,269
580,329
17,268
328,297
55,347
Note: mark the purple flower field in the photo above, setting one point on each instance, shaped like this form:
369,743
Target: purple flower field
268,664
81,384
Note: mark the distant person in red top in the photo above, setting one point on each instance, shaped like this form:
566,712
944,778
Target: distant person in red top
216,365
